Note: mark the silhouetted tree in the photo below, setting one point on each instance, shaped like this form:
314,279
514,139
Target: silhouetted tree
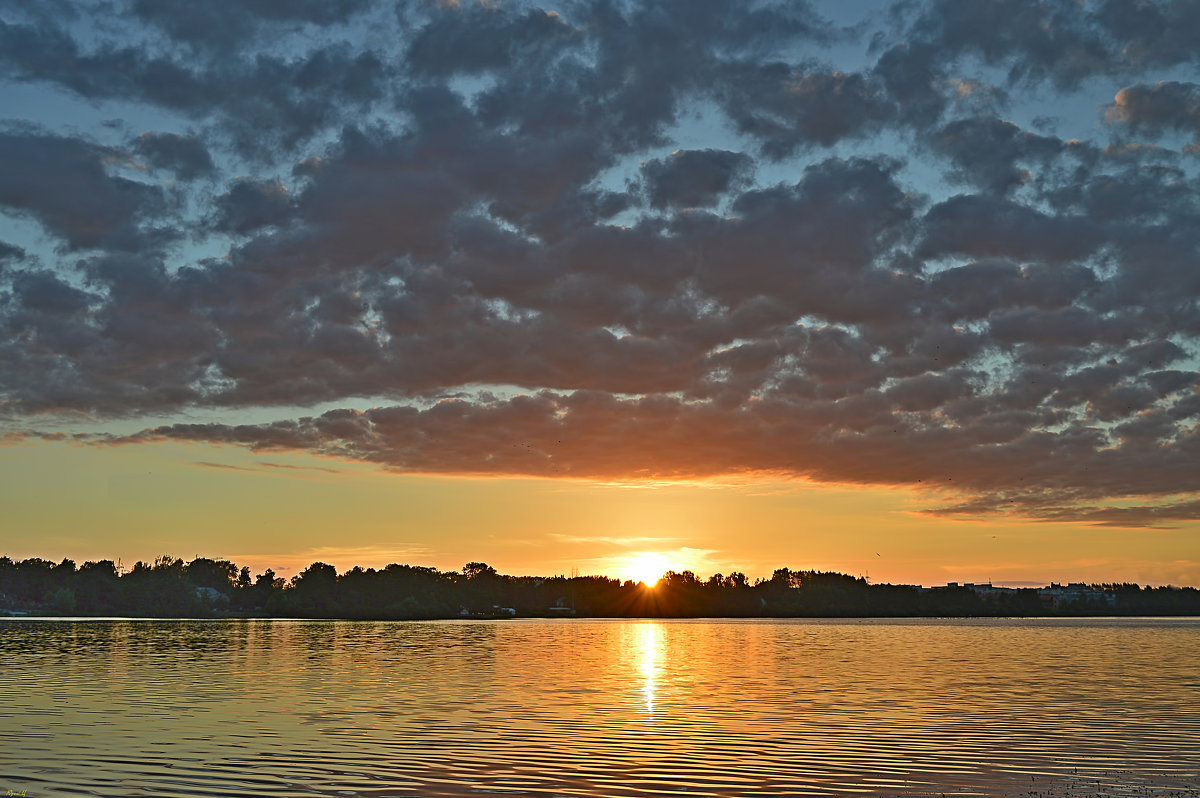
162,589
168,588
98,589
314,591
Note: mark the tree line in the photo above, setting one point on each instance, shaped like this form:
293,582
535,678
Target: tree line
169,587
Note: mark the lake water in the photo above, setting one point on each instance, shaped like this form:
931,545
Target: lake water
601,708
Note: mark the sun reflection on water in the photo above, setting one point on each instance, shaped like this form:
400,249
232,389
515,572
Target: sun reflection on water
649,646
604,709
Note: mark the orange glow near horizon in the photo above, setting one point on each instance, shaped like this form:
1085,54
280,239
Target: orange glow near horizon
285,511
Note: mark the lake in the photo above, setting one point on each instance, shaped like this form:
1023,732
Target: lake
1047,707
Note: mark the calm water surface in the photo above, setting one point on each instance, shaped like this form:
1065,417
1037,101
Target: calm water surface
601,708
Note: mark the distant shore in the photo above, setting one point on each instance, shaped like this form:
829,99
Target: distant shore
207,588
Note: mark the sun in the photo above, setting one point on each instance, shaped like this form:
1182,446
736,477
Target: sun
646,566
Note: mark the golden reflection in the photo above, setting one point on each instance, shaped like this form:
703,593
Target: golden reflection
649,647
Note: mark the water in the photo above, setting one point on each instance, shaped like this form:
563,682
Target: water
601,708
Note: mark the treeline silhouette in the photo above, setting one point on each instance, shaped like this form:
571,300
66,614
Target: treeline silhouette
204,587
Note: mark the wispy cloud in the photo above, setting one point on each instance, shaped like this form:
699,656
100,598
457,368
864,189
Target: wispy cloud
626,541
227,466
259,467
290,467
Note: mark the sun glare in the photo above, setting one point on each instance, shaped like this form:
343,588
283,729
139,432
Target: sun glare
646,567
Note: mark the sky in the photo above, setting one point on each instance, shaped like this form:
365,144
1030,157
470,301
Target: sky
907,291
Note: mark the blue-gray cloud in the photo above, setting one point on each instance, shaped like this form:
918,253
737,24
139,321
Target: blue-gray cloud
694,240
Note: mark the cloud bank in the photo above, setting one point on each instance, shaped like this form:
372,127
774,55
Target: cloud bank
665,240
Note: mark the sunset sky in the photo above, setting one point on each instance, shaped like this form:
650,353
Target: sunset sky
901,290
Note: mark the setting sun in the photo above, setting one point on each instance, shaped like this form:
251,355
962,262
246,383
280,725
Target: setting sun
646,567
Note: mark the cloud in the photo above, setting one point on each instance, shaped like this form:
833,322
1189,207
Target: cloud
986,287
483,37
186,156
786,109
230,24
1165,515
263,465
987,151
65,185
9,252
250,205
591,435
1163,107
693,178
262,102
225,466
666,240
1151,34
1061,43
986,226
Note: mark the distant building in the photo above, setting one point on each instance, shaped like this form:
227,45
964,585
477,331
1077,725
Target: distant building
495,612
988,591
1056,595
210,595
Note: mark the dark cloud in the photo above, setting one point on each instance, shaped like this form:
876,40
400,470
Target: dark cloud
482,37
694,178
515,206
913,74
262,102
231,23
786,109
10,253
44,52
805,241
989,152
1059,42
1166,106
1048,39
988,287
250,205
987,226
1152,33
186,156
65,185
1054,476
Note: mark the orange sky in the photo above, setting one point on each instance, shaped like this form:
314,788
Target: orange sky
285,511
906,290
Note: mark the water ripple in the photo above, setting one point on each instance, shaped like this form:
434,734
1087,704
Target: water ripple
601,708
